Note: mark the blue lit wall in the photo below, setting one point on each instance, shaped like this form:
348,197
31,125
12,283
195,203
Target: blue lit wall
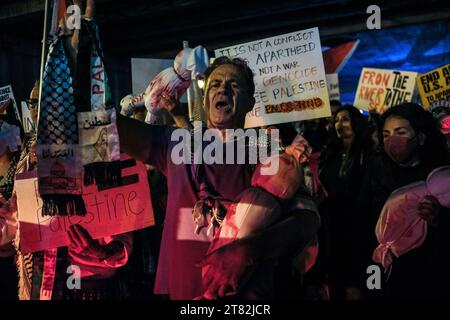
420,48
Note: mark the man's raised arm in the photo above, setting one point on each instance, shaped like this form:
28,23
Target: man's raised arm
135,137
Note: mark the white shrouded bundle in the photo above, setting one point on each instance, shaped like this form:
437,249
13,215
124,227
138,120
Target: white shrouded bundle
399,228
171,82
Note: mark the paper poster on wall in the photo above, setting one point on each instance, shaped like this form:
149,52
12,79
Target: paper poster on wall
289,77
380,89
434,86
333,86
110,210
6,98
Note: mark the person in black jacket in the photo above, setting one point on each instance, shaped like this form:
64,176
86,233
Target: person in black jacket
341,164
411,147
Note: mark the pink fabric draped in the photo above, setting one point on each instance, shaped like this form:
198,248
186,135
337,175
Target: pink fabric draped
399,228
438,184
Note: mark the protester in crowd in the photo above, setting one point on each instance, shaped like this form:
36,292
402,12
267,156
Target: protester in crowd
32,103
374,120
442,114
98,260
316,133
140,272
412,146
11,134
342,165
229,96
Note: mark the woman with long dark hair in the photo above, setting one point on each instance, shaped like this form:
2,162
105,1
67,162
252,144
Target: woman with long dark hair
411,147
341,165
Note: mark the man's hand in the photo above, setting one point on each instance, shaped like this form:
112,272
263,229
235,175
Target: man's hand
429,210
74,39
82,242
299,149
224,269
169,102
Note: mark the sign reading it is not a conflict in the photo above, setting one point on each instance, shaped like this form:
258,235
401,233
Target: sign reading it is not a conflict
289,77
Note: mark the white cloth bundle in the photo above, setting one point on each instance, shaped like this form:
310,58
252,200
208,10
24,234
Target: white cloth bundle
171,82
399,228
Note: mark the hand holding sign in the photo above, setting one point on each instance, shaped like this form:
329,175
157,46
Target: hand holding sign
380,89
82,242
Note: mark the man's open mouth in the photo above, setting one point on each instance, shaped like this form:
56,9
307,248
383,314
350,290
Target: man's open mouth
223,105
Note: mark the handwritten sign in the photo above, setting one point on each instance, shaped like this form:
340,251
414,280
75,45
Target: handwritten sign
434,86
289,77
110,211
6,93
380,89
333,86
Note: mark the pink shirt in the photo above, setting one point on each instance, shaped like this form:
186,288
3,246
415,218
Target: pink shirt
181,248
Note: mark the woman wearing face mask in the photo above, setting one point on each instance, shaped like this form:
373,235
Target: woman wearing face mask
341,164
412,146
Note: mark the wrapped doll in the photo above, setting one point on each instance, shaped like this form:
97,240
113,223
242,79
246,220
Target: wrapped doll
172,82
400,229
259,206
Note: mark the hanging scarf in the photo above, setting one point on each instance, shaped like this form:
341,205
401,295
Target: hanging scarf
42,274
30,266
99,139
24,262
49,274
59,176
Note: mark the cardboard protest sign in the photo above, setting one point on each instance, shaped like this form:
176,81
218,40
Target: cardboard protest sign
333,86
110,210
289,77
27,123
434,86
6,93
380,89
